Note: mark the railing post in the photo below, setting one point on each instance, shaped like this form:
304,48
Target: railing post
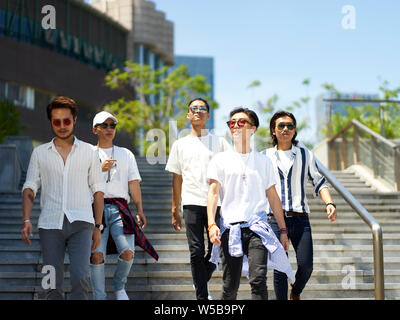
344,162
356,152
373,156
379,274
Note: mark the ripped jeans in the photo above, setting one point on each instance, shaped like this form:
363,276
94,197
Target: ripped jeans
123,242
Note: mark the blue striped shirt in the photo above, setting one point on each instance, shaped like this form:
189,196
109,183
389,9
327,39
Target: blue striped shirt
291,185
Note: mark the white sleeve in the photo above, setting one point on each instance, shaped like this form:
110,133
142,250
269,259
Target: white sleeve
33,174
269,174
173,164
214,171
133,171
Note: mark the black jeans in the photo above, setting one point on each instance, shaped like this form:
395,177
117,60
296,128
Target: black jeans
257,256
299,233
202,269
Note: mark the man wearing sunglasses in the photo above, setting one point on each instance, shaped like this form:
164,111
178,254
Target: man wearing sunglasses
121,175
68,173
293,166
244,180
188,161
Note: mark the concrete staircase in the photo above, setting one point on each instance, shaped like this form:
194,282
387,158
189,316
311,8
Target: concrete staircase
343,259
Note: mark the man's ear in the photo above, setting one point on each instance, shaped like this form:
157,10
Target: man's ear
94,131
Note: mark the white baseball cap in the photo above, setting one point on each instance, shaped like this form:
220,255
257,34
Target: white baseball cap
103,116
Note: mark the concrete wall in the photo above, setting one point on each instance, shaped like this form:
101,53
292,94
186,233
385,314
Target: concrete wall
10,169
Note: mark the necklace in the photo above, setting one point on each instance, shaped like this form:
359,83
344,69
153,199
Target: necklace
109,171
244,167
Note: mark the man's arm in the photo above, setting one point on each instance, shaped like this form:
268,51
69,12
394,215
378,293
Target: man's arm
176,201
212,203
98,207
276,207
136,193
27,205
327,198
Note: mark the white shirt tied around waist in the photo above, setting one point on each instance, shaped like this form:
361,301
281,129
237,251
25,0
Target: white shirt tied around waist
277,258
65,188
125,169
291,178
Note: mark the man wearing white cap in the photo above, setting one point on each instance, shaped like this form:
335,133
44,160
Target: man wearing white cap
121,174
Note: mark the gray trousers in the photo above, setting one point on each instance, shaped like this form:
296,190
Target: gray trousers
76,237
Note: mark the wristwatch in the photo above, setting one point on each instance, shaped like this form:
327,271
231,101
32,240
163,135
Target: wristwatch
99,226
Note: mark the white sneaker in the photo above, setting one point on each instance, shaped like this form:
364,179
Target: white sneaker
121,295
209,294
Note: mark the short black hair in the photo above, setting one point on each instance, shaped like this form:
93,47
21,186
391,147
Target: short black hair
272,125
250,113
62,102
200,99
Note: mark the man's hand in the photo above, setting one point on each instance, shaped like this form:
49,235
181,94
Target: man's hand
141,220
177,221
285,241
215,235
96,237
26,231
331,212
107,164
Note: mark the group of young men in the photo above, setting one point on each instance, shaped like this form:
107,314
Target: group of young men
249,204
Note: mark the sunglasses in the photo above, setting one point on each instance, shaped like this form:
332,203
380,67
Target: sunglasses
57,122
106,125
239,122
201,109
282,126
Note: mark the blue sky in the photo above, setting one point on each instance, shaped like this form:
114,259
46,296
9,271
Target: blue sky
280,43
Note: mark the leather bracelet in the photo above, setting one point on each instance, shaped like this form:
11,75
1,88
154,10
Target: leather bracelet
330,203
210,226
283,231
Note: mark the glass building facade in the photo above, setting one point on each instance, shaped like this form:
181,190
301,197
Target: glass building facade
203,66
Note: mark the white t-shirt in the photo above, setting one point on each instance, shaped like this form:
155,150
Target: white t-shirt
241,197
189,157
285,158
124,170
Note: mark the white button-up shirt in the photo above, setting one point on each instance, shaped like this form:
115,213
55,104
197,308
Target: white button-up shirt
291,184
65,189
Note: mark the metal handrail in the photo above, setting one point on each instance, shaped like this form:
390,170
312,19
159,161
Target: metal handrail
375,137
367,130
379,277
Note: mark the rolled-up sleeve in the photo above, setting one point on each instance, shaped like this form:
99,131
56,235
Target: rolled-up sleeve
96,181
314,176
33,174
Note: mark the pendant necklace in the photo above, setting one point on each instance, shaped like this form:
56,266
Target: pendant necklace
245,166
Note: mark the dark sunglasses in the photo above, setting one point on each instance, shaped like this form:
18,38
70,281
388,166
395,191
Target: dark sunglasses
282,126
57,122
240,123
201,109
106,125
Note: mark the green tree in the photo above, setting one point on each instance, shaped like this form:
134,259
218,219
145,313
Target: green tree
269,107
383,120
156,97
9,123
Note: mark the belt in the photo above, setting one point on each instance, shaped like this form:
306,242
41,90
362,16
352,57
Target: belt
290,214
239,222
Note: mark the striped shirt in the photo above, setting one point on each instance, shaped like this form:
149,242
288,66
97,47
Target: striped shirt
65,189
291,184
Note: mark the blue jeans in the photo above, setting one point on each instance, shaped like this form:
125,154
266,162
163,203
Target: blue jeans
123,242
299,233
